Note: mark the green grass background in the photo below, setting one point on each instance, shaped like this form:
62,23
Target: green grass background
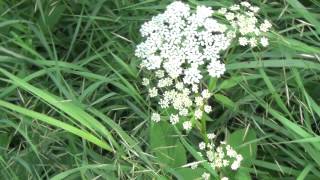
72,105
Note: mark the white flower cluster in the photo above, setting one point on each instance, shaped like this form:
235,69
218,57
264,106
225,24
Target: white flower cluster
223,156
180,48
244,21
206,176
218,157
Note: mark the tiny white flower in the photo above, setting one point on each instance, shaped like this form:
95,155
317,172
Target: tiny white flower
155,117
235,165
216,69
264,41
225,163
204,12
174,119
199,101
218,163
254,9
186,91
206,94
224,178
145,81
160,73
187,125
231,153
245,4
153,92
194,88
205,176
235,7
210,146
243,41
210,155
229,16
164,103
211,136
183,112
164,82
202,145
192,75
222,10
239,158
257,31
194,165
253,42
198,114
265,26
179,86
231,34
207,108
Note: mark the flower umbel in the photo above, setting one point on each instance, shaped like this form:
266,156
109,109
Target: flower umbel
244,22
180,48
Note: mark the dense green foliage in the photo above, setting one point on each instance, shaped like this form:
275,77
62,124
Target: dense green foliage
72,105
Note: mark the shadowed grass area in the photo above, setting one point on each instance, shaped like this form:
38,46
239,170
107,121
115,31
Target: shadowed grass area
72,105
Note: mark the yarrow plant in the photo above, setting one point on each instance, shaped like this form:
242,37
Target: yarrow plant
181,50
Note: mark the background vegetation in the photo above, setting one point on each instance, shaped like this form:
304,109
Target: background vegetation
72,105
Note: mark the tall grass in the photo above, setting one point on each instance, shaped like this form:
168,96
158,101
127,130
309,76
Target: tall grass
72,105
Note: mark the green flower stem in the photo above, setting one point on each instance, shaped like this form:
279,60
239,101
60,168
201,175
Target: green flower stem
203,129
